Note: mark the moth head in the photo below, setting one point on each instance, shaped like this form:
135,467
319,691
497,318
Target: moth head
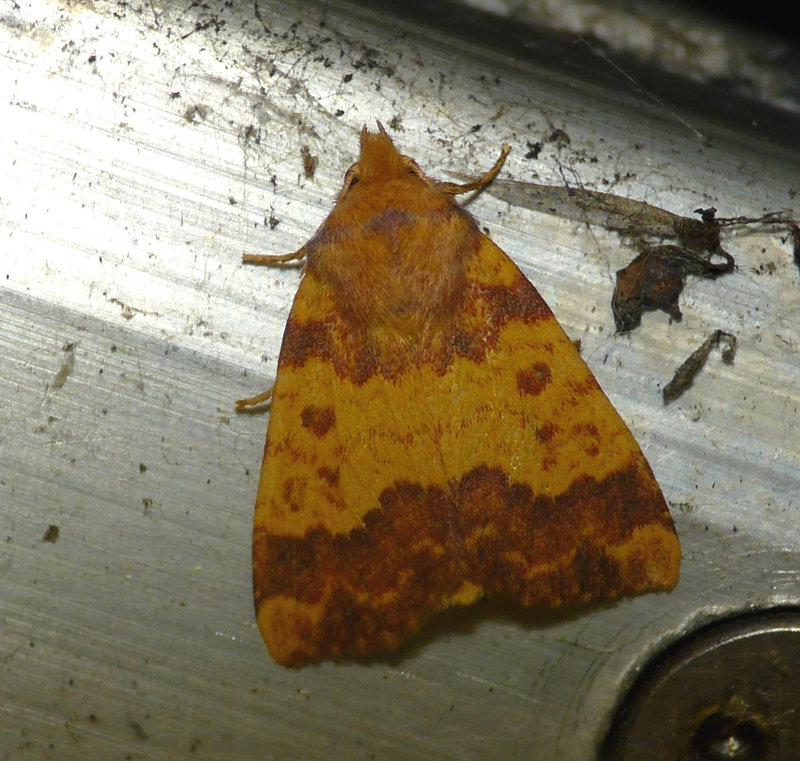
380,161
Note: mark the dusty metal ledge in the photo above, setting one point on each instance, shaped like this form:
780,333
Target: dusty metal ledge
145,146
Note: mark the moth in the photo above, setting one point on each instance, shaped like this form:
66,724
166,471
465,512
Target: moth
434,435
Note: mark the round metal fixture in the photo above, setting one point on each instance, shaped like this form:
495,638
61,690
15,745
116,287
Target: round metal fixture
728,692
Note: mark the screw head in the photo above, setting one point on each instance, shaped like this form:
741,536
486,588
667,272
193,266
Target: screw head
726,692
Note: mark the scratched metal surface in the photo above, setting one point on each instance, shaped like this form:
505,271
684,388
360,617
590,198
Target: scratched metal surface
145,146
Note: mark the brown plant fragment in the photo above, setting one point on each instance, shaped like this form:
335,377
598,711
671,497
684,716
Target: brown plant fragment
687,372
655,280
656,277
670,246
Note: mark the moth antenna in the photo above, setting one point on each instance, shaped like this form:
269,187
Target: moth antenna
274,258
479,183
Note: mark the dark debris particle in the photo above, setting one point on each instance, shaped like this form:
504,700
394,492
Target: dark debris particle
51,534
67,366
559,136
138,730
196,113
309,162
534,149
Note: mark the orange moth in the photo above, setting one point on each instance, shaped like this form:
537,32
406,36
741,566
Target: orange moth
434,435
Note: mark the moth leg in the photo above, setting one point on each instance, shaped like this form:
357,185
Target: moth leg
274,258
253,401
479,183
265,396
